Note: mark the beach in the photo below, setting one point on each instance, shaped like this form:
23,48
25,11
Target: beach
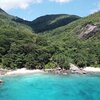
22,71
91,69
27,71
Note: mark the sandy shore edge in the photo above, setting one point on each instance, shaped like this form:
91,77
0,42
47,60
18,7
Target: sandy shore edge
91,69
23,71
26,71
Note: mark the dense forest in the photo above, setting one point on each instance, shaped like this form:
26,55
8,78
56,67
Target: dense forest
49,41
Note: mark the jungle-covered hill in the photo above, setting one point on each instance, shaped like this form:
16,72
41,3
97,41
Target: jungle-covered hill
56,41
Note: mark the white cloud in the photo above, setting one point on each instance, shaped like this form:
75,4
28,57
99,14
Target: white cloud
22,4
61,1
97,8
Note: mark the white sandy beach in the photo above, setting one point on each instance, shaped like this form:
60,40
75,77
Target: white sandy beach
91,69
24,71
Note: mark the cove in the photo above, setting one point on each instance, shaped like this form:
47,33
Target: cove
50,87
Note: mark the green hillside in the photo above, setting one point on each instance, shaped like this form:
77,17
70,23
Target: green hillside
59,43
73,49
50,22
19,47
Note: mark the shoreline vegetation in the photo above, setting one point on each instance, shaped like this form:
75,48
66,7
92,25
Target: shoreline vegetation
55,50
22,47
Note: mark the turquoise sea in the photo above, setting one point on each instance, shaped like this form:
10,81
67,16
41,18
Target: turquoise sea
50,87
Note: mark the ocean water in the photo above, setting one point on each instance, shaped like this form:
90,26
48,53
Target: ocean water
50,87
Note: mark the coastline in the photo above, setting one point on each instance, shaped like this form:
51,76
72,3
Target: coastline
4,72
21,71
92,69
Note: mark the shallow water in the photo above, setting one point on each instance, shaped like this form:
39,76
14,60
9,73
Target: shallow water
50,87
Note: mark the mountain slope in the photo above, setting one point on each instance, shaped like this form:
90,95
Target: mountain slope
2,11
19,46
79,26
77,42
43,23
50,22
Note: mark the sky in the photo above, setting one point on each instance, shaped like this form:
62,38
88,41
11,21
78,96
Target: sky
31,9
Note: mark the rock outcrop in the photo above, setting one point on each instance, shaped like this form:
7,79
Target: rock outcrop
3,71
88,31
1,81
74,69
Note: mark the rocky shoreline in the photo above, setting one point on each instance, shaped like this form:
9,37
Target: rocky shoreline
3,71
65,72
73,70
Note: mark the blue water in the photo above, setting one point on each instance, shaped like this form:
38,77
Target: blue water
51,87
